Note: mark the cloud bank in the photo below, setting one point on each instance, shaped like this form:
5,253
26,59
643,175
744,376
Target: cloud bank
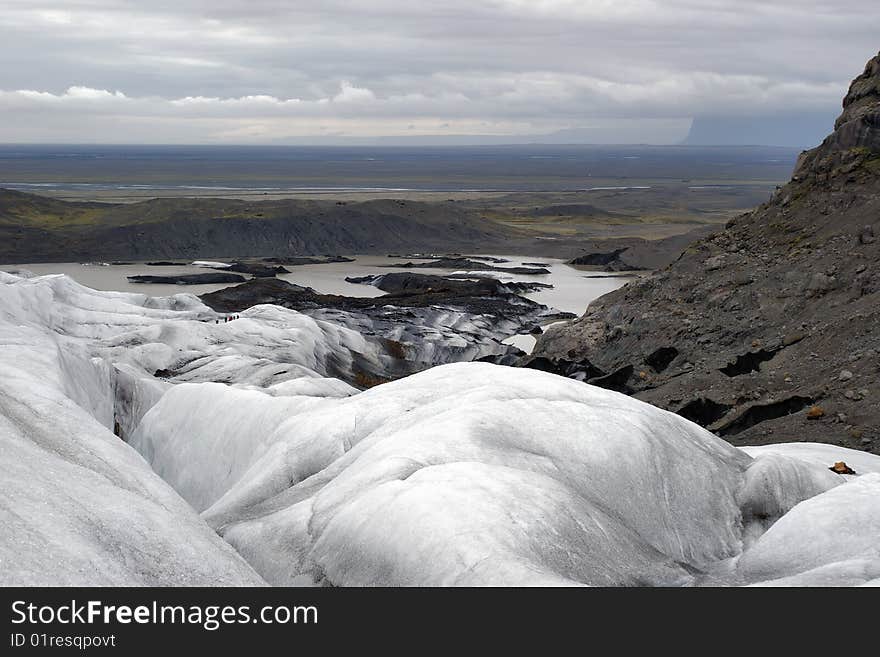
267,72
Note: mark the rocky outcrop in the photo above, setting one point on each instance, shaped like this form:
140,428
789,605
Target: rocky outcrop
609,261
294,262
422,321
477,296
471,265
190,279
256,269
856,132
407,284
634,253
756,325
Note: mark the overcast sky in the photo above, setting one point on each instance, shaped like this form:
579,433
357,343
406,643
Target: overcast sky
270,71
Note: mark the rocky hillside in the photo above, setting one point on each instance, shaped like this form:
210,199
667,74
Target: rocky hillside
37,229
769,330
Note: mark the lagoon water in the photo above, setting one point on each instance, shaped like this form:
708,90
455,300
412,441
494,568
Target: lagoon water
572,289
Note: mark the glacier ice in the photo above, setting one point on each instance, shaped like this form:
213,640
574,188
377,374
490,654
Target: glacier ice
821,455
465,474
359,490
832,538
591,444
210,264
78,506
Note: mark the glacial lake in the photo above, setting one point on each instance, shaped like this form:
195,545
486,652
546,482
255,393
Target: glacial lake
573,288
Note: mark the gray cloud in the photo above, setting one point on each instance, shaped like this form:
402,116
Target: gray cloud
264,71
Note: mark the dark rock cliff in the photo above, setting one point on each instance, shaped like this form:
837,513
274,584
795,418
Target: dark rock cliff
769,330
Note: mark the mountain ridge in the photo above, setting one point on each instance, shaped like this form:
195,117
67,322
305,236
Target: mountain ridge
768,330
40,229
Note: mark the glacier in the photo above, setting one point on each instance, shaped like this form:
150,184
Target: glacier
78,506
146,442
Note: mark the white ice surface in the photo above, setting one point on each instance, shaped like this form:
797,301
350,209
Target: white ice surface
465,474
821,455
657,476
478,474
462,461
832,538
77,505
211,264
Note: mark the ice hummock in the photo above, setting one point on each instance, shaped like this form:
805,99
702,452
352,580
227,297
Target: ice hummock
77,505
466,474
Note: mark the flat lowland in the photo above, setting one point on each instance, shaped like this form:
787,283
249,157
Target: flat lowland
121,202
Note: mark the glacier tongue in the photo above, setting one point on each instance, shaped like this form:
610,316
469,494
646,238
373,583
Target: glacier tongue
465,474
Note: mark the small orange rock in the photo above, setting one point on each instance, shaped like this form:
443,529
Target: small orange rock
842,468
815,412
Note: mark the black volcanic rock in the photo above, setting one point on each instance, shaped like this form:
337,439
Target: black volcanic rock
189,279
294,261
856,133
492,259
400,283
259,291
397,283
478,296
424,320
470,265
609,261
255,269
633,253
758,323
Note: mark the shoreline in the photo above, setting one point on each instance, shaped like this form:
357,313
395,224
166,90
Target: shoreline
95,193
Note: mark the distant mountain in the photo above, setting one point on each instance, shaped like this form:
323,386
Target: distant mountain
797,130
767,331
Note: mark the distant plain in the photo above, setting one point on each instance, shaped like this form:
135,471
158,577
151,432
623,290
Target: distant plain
570,191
